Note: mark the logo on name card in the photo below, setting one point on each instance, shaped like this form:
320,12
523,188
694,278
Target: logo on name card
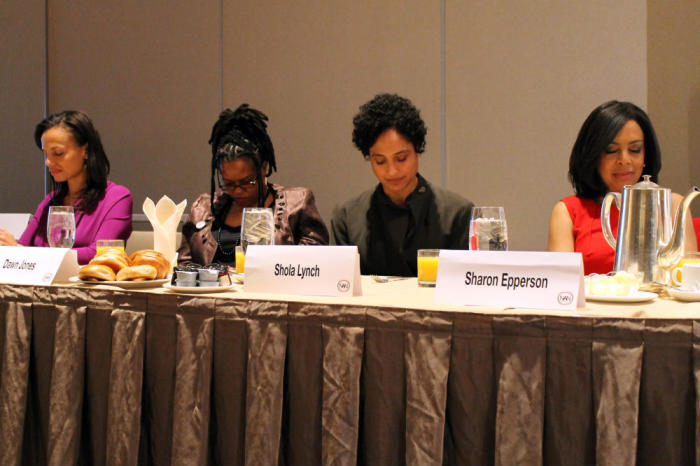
343,286
565,297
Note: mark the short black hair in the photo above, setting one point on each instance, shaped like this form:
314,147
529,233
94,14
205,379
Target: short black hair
80,126
242,133
597,132
388,111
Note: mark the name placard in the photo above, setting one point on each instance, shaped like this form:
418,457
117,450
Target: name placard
541,280
303,270
36,266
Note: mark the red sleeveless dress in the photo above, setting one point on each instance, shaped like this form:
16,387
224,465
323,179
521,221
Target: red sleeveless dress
598,256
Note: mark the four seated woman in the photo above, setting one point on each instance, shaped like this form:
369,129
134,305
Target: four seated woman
79,168
242,159
404,212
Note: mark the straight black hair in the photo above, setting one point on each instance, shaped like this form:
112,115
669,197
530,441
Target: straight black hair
79,125
597,132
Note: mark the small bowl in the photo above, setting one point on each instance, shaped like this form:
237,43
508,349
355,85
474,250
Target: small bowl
208,275
186,278
208,284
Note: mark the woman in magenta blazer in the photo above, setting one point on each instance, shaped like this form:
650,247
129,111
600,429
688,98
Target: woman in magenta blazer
79,168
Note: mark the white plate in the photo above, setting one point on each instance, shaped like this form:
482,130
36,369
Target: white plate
123,283
199,289
684,295
638,297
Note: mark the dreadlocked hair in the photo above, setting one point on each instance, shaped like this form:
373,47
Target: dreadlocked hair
242,133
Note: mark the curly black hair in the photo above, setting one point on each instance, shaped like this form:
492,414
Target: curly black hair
388,111
597,132
242,133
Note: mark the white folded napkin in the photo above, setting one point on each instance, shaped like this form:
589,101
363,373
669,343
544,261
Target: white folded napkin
164,217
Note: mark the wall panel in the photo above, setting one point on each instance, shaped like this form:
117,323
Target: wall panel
148,74
310,65
22,35
521,79
674,90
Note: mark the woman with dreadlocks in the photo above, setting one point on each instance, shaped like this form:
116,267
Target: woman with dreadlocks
242,159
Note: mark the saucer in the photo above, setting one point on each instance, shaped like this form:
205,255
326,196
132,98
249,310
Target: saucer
126,284
199,289
684,295
638,297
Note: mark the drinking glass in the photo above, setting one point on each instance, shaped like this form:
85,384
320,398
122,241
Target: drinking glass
488,230
60,228
240,259
257,226
427,266
105,244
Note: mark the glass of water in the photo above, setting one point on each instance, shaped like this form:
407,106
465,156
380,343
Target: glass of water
60,228
488,230
257,226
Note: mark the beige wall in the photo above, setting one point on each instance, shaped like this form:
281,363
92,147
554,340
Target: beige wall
674,90
518,82
311,68
148,75
22,71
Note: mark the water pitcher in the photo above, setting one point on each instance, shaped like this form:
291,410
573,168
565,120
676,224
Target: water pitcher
647,242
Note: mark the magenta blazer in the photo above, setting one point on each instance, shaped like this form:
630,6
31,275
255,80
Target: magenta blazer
110,220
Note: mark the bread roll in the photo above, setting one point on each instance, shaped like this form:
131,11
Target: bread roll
151,257
137,272
94,272
114,261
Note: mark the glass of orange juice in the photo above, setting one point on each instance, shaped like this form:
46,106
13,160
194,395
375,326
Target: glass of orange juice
427,266
240,259
103,244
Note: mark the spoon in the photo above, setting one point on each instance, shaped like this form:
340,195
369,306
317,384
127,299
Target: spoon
386,278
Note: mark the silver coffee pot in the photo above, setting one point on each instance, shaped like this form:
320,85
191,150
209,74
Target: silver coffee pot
647,242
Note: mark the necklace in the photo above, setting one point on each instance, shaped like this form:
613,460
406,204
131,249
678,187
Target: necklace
231,251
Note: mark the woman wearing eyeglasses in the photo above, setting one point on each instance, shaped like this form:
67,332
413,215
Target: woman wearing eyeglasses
242,159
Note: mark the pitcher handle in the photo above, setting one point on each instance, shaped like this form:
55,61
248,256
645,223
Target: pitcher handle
605,217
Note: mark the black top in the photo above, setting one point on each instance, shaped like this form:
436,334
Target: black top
388,236
228,238
399,231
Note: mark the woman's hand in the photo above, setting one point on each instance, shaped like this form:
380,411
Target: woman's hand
6,239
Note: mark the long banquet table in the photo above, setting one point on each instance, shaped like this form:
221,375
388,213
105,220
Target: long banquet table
105,376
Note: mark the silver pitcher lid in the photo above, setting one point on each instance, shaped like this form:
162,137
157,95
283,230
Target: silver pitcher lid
646,183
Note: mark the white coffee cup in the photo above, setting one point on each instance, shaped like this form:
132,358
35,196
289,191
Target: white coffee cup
690,276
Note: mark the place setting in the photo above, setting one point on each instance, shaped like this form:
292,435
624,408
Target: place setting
256,228
111,266
196,278
616,287
685,278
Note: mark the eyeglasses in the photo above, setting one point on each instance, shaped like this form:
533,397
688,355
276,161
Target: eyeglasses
231,186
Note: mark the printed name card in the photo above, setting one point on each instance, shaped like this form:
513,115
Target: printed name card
303,270
37,266
541,280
